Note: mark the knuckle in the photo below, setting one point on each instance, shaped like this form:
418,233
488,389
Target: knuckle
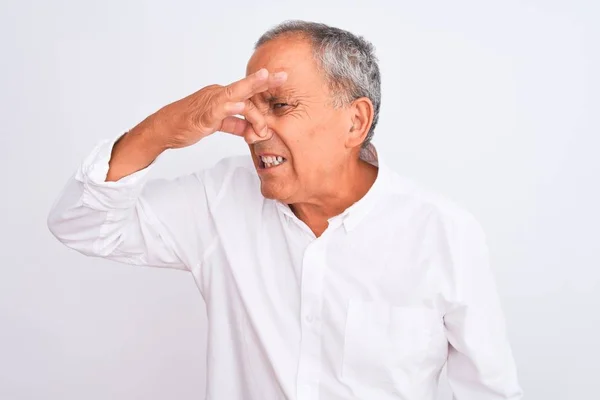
201,120
228,91
250,106
207,118
196,121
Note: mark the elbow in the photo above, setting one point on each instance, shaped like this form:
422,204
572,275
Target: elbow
53,222
63,223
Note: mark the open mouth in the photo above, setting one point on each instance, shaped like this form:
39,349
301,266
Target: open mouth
266,162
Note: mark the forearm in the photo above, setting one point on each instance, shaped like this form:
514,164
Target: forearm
480,362
114,220
135,150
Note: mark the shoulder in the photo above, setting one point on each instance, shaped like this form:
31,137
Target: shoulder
209,183
235,174
430,206
227,167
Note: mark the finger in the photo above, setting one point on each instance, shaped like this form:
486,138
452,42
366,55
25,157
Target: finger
220,111
258,82
253,127
258,124
234,125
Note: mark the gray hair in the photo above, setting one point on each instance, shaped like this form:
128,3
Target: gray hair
348,62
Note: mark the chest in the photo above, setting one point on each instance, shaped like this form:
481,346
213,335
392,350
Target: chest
387,261
366,307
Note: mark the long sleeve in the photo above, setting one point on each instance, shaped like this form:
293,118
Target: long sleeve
480,362
134,220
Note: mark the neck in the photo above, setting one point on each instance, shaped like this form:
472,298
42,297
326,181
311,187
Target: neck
350,185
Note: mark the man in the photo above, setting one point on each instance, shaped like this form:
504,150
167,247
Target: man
325,274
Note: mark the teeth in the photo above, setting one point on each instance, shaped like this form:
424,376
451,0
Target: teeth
272,161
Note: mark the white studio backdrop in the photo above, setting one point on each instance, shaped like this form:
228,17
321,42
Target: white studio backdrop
493,103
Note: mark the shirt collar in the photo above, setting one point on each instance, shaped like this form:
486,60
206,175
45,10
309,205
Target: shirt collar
351,217
354,214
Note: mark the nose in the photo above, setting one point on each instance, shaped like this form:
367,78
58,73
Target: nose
251,136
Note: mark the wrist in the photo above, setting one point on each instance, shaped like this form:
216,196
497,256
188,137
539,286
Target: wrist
148,137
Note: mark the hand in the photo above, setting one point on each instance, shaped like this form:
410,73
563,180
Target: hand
213,108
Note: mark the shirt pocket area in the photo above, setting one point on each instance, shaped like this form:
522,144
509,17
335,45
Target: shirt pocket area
387,343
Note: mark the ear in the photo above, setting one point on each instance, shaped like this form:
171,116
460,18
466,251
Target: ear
361,115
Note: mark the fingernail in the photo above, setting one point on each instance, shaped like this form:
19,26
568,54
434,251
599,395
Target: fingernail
262,73
280,75
264,132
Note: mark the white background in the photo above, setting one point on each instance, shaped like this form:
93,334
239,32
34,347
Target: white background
494,104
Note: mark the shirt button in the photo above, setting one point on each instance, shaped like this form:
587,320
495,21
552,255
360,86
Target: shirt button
309,318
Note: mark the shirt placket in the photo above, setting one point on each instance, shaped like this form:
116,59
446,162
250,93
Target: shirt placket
309,366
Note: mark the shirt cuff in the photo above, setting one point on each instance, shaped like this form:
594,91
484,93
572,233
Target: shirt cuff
101,195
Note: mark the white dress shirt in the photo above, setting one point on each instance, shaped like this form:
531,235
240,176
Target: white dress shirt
397,286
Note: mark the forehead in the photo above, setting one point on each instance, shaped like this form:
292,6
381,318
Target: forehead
290,54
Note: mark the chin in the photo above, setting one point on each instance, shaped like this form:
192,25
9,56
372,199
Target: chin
270,191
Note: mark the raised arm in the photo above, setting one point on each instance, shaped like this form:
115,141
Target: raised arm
109,210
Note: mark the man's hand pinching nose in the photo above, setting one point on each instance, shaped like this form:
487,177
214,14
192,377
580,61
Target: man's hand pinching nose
253,126
215,108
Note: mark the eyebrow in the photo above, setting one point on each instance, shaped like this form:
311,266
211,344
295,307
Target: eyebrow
274,98
278,95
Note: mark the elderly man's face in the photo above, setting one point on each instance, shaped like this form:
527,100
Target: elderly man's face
309,134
